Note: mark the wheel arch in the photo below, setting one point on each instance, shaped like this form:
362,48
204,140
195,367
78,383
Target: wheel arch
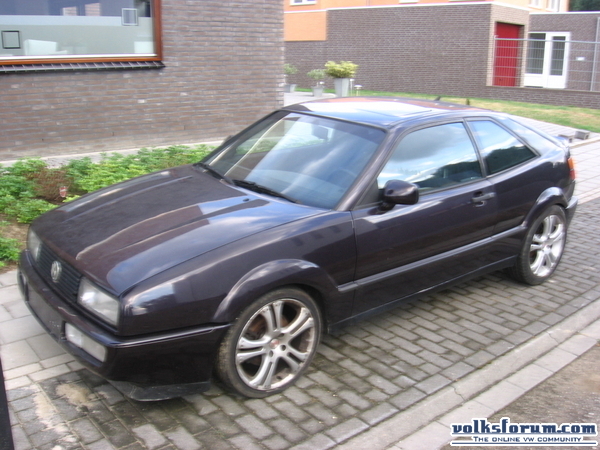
274,275
551,196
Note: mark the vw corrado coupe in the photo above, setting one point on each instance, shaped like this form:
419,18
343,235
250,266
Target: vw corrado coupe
317,215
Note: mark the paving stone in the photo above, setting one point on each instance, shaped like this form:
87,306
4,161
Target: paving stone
346,430
244,442
222,424
345,411
128,414
17,354
384,384
322,414
117,434
433,384
276,443
19,329
182,439
228,405
327,398
407,398
319,442
378,413
289,430
254,427
262,409
356,383
312,426
86,431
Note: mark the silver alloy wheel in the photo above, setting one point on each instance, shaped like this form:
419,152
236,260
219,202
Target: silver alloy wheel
275,344
547,245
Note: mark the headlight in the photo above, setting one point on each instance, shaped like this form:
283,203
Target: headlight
34,244
98,302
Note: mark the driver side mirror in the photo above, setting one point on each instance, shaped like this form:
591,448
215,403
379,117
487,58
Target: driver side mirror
398,192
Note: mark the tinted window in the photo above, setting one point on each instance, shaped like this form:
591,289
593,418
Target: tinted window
535,139
311,160
500,149
433,158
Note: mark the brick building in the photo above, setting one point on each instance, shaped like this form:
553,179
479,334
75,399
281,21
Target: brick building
451,48
92,75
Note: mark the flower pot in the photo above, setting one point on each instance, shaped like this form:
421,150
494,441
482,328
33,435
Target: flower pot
289,88
342,87
318,91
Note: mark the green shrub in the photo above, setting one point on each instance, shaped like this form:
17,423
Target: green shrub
25,210
9,250
343,69
30,188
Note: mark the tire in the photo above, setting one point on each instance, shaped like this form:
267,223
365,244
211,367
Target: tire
543,247
271,344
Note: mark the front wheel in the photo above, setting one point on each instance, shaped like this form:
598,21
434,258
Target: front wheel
271,344
543,247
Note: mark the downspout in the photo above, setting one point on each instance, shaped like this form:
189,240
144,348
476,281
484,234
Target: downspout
595,63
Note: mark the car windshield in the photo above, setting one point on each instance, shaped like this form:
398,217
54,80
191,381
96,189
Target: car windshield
306,159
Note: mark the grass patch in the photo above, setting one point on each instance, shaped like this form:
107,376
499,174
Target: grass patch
569,116
29,187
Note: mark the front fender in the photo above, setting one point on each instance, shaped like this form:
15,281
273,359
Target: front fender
275,274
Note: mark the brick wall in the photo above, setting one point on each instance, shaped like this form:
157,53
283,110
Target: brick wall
223,70
430,49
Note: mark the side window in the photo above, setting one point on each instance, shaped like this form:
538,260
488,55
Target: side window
535,139
433,158
500,149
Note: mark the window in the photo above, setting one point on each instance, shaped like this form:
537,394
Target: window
547,60
434,157
500,149
311,160
302,2
43,30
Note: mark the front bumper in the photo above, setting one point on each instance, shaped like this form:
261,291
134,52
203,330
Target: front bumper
149,367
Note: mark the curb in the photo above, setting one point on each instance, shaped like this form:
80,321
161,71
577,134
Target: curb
426,425
6,441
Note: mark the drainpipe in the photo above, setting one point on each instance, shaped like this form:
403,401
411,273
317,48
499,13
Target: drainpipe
594,71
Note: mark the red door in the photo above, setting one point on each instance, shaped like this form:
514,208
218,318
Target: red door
506,59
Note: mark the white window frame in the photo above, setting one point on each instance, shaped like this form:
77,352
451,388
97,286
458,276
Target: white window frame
553,5
302,2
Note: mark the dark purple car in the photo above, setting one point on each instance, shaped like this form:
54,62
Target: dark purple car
318,215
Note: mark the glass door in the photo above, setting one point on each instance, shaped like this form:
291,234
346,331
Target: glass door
547,60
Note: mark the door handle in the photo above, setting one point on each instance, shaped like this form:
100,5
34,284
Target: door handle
479,199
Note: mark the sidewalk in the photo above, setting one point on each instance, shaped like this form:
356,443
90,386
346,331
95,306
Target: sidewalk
392,382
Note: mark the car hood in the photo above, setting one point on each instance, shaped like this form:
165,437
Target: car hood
128,232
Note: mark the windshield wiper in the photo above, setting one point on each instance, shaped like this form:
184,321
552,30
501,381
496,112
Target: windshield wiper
262,189
214,171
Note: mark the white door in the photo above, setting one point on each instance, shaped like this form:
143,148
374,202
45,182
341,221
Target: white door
547,60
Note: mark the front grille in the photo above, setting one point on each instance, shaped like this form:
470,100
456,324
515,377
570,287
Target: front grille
68,283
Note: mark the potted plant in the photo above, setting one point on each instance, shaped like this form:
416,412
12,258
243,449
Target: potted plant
289,69
318,75
341,73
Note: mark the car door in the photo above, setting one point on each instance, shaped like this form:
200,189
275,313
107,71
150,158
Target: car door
413,247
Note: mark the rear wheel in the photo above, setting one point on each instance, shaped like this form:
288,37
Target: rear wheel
544,246
271,344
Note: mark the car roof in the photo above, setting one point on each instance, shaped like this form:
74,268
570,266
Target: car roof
384,112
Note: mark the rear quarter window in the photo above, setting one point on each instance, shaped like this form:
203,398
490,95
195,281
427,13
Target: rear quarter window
499,149
536,140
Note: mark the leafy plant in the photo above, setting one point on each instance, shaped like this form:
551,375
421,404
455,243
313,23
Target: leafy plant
290,69
9,250
25,210
29,187
317,74
343,69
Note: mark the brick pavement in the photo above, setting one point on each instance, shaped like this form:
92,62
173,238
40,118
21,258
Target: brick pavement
372,385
